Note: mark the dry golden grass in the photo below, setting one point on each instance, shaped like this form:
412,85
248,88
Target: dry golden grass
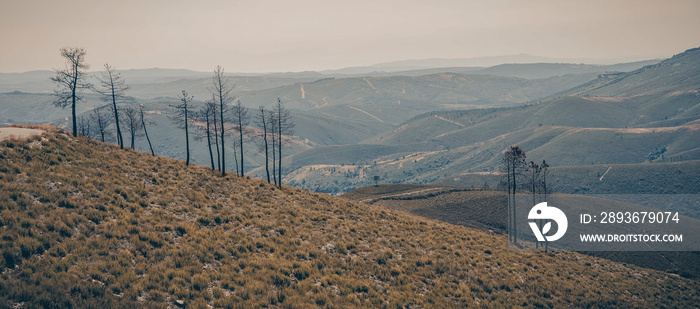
85,224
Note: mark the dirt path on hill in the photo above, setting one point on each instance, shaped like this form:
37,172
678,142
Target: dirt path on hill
401,194
362,111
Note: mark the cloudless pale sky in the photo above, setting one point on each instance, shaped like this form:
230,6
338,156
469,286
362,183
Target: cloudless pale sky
300,35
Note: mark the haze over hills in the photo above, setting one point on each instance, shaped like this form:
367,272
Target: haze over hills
396,116
647,115
327,110
86,224
421,64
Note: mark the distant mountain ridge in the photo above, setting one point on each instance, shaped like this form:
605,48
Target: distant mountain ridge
329,110
419,64
648,115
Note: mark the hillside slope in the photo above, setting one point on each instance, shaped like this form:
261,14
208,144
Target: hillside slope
648,115
86,224
486,210
679,72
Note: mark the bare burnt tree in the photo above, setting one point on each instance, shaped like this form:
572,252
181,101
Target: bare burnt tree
506,167
70,80
534,170
262,121
84,124
206,114
132,122
221,89
241,120
514,163
273,137
235,157
545,172
182,119
145,131
215,121
113,90
285,126
102,120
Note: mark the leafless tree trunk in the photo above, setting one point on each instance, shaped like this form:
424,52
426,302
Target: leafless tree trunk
70,79
515,158
102,121
181,119
534,170
241,117
511,223
113,89
222,93
235,158
262,123
143,124
205,114
132,122
215,121
273,135
545,171
285,126
84,123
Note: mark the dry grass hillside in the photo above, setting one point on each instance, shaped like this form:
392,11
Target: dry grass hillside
84,224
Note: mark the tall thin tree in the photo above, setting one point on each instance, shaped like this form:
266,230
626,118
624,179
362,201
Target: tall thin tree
545,170
273,136
285,126
131,120
262,123
242,119
215,121
84,124
70,80
235,157
113,90
181,119
206,114
534,170
515,157
145,131
102,121
221,89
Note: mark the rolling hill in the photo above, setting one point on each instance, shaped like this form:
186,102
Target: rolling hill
678,73
650,115
327,111
85,224
38,107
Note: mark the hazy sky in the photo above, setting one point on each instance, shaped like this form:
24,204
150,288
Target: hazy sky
264,36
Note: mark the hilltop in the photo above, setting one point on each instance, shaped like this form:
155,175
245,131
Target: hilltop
86,224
